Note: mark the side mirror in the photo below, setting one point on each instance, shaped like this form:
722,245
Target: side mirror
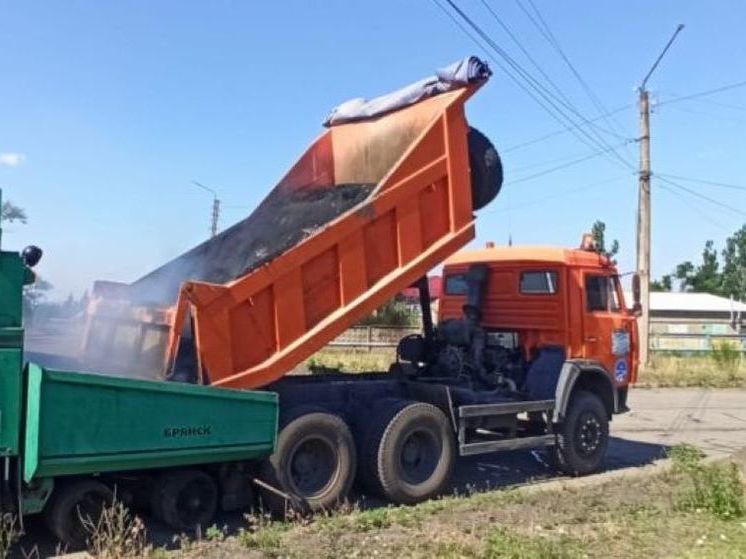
31,255
636,305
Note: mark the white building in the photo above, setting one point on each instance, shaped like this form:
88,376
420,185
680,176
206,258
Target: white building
693,321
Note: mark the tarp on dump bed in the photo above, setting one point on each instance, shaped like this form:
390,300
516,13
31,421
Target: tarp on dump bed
458,74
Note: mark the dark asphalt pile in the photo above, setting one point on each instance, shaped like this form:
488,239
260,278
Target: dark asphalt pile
280,222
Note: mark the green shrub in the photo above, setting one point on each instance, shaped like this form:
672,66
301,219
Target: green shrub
393,313
727,356
373,519
715,487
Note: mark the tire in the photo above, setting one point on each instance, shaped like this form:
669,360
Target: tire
73,501
583,435
370,439
410,457
486,169
314,462
185,499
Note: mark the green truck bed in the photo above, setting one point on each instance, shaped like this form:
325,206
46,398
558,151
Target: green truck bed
83,423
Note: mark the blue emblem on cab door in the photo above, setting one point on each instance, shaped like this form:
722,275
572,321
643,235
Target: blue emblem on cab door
620,371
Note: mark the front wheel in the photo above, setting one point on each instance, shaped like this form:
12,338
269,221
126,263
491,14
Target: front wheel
583,436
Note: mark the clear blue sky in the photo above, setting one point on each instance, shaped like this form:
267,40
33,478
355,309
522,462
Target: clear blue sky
109,109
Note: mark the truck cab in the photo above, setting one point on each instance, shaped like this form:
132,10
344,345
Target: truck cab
549,299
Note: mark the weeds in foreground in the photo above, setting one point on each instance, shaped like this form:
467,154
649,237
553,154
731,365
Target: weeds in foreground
262,532
9,533
503,544
116,533
716,488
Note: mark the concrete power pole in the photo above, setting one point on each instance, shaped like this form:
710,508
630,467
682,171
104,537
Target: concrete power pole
643,208
643,226
215,216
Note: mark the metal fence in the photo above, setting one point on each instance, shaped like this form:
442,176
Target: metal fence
694,342
370,338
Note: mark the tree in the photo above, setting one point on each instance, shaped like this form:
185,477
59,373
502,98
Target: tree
598,231
734,265
704,278
393,313
11,213
720,273
663,284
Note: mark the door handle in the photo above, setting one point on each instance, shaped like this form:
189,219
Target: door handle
591,339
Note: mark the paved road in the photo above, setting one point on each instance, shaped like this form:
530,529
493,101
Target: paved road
713,420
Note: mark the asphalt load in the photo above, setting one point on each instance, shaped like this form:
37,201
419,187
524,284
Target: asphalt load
280,222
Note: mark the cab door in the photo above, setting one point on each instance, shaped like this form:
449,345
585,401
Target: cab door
608,332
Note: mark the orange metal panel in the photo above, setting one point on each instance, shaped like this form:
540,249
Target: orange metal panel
253,330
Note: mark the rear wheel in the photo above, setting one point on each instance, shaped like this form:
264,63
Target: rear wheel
583,436
185,499
486,169
75,510
314,463
411,452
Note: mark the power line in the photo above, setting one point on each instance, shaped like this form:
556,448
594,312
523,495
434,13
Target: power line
694,207
564,165
719,104
629,106
563,131
538,89
550,37
512,36
714,116
557,194
703,181
701,196
702,93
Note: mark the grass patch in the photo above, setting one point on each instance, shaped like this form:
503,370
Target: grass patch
716,370
503,544
714,487
350,361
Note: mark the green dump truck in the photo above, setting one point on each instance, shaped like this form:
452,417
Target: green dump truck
69,441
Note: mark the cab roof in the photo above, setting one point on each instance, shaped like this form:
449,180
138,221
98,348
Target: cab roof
530,254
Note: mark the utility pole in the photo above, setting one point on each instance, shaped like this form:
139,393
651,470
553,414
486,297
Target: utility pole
215,216
643,207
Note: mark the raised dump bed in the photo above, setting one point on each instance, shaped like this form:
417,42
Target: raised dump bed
405,177
82,424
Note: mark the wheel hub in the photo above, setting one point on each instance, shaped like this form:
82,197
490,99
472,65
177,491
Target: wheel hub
419,456
589,434
312,466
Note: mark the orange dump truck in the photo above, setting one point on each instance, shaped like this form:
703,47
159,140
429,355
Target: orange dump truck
383,196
